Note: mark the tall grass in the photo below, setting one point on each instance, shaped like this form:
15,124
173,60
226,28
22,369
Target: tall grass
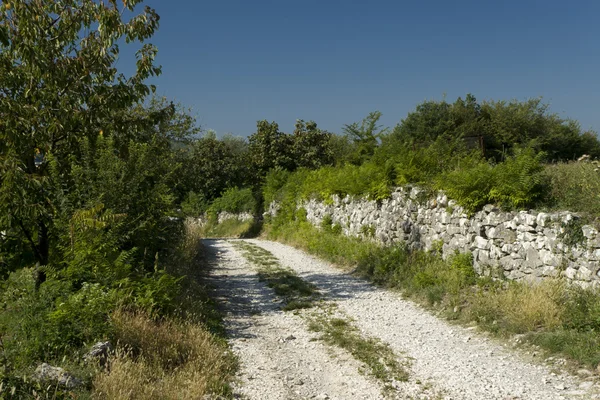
167,359
179,355
575,186
230,228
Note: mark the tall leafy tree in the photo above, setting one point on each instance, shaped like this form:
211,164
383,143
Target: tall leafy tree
365,135
58,85
270,148
312,147
213,166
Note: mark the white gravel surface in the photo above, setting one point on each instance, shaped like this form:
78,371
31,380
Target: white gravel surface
279,358
457,362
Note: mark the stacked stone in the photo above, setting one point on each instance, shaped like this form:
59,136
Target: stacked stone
518,244
224,216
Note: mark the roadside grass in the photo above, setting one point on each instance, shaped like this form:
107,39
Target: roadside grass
180,355
574,186
378,358
561,319
230,228
295,291
168,359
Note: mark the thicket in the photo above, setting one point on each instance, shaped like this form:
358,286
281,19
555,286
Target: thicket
91,176
434,148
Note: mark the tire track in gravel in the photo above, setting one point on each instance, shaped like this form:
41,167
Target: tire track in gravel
280,359
463,364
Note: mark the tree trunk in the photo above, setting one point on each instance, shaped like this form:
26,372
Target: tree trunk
43,252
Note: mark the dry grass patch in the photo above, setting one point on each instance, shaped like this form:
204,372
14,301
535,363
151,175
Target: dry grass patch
520,308
163,359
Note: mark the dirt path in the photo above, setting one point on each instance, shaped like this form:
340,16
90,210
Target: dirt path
282,360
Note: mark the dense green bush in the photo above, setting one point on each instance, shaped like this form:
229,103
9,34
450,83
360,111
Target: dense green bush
470,185
210,166
500,125
421,165
194,204
517,182
234,200
274,182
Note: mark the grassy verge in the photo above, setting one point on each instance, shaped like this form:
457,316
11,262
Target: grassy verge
378,358
562,319
181,355
295,291
230,228
167,359
167,337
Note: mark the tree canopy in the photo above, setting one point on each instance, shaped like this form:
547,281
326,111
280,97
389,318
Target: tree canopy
58,86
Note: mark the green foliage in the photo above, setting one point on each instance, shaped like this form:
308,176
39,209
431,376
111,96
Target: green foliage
88,182
583,310
156,293
430,120
194,205
311,146
365,137
518,182
274,182
495,127
470,185
234,201
422,164
367,179
138,188
270,148
211,166
326,223
82,316
342,149
574,186
73,59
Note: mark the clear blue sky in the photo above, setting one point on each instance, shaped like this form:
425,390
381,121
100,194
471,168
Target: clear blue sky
333,61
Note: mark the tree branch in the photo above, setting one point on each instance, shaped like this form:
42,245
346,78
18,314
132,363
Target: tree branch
31,241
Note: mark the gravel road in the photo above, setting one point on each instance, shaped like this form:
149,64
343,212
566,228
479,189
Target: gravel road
281,359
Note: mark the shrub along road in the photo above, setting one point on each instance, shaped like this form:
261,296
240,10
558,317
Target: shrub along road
350,340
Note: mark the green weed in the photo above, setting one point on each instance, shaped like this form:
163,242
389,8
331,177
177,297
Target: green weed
378,358
295,291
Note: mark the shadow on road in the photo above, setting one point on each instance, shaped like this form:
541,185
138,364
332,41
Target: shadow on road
243,298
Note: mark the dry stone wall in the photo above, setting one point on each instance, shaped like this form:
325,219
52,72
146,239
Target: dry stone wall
520,245
224,216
